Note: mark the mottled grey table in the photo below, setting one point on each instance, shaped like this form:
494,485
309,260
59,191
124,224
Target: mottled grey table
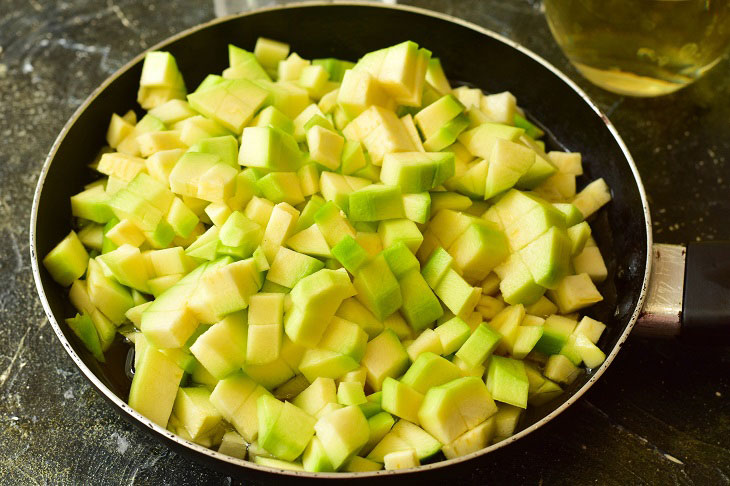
660,415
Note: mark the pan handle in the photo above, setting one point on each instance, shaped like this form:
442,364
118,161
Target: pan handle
689,293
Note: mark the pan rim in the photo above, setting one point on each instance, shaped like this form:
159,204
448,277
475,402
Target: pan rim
214,455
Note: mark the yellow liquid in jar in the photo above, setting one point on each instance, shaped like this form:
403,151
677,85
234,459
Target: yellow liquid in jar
641,47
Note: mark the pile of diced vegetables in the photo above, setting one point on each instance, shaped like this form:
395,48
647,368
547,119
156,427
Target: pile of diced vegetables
332,266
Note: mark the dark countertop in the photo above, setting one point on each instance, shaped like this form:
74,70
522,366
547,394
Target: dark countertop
660,414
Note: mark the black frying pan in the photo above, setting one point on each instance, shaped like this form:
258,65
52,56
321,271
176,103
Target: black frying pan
469,54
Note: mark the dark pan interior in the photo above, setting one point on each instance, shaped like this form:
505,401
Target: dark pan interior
347,32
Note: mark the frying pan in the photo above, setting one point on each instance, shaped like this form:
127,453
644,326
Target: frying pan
469,54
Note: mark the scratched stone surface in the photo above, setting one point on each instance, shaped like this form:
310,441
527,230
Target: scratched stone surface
660,415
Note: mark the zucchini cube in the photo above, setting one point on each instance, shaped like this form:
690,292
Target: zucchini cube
393,231
480,248
449,200
350,393
232,444
195,411
353,157
238,230
505,421
405,436
437,266
477,348
333,224
404,459
289,267
122,166
507,163
232,102
243,65
452,334
539,172
419,307
592,197
155,386
85,330
417,207
284,429
380,424
447,134
575,292
471,441
473,180
451,409
542,308
127,265
590,328
67,261
313,398
448,225
278,229
309,241
270,116
342,433
480,141
591,354
239,394
350,254
221,349
264,343
507,381
107,295
437,114
280,187
344,337
380,131
352,310
426,342
548,257
572,214
507,323
160,70
226,289
430,370
400,259
325,363
384,357
322,291
325,147
315,458
590,261
559,368
118,130
500,107
401,399
527,337
377,288
269,148
360,464
92,204
436,77
417,171
335,68
518,286
456,294
402,72
375,203
187,173
288,98
360,90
